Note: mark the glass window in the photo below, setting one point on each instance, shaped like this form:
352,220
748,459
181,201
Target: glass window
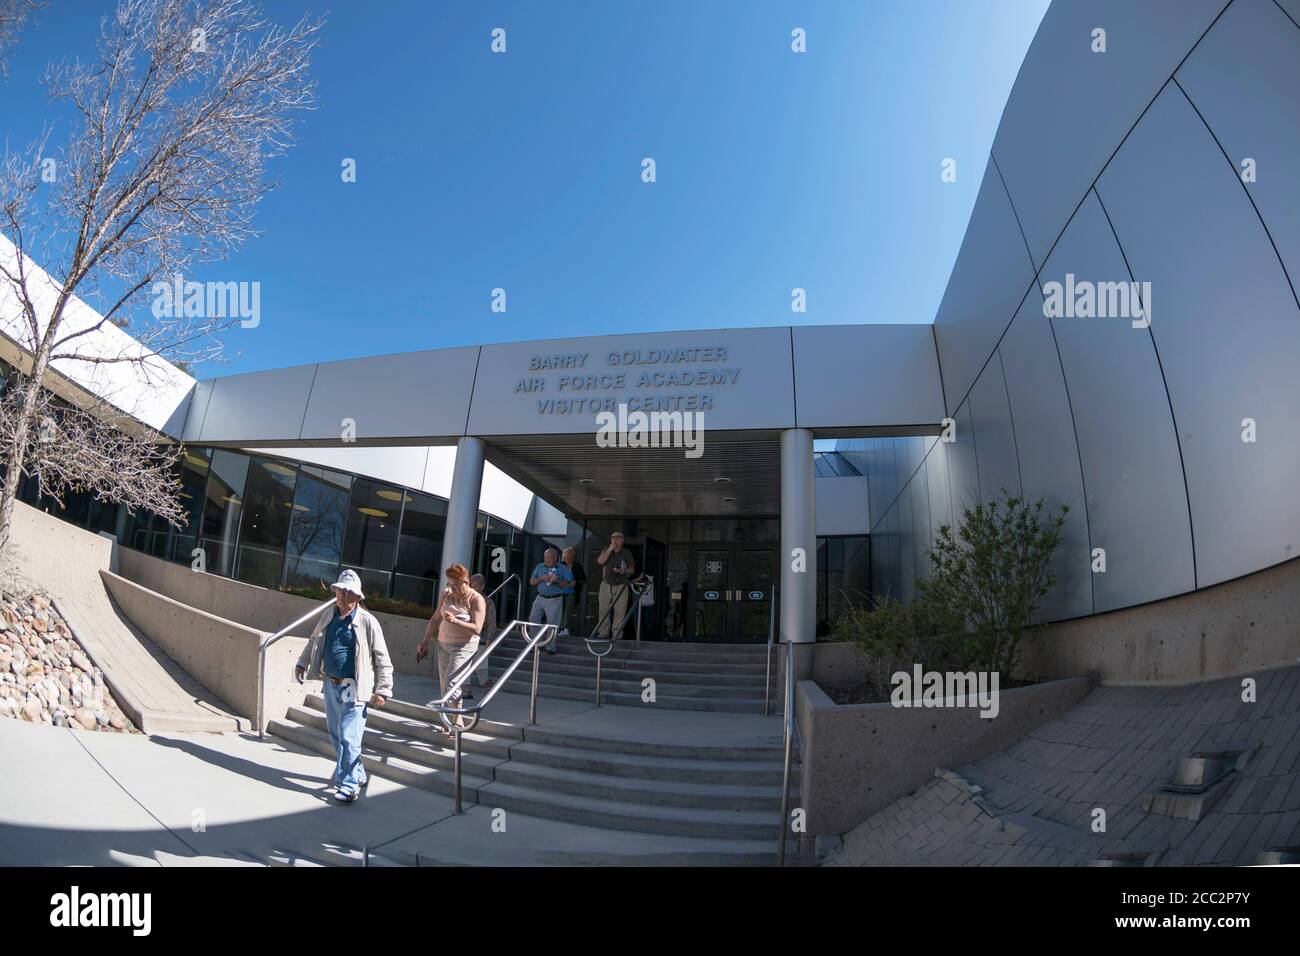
419,548
221,509
370,543
843,577
194,467
320,514
268,508
756,530
712,530
499,559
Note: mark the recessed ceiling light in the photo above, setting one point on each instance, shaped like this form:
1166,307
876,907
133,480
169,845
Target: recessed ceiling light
729,500
608,501
586,481
722,481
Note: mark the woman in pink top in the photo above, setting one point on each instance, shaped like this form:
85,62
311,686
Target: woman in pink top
457,623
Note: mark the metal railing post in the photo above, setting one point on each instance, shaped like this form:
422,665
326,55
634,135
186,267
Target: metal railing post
598,660
789,749
456,808
767,680
532,702
260,711
771,637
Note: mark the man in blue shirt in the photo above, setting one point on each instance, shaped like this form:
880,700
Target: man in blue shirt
553,581
348,654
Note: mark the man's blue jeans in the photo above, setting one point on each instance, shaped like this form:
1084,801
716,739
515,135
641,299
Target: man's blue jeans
345,716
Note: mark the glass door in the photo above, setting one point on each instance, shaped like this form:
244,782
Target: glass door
711,595
753,593
731,594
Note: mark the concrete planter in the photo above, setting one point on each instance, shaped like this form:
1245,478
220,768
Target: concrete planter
858,758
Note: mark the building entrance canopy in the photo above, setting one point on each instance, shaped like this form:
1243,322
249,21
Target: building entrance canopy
700,423
845,380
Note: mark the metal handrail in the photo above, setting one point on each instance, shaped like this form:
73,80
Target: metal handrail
767,668
608,642
261,661
791,728
493,593
545,635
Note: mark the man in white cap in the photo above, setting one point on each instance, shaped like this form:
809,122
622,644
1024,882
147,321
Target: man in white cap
348,655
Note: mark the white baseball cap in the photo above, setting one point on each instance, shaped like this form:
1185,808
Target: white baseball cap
348,581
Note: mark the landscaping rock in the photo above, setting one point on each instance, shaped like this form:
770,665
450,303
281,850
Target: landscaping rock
45,675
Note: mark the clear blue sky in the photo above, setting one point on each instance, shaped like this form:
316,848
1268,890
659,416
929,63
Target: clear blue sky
523,170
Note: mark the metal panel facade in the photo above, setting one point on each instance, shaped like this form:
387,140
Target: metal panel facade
1137,507
1228,330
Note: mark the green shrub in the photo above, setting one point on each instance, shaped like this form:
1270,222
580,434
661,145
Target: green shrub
894,636
989,575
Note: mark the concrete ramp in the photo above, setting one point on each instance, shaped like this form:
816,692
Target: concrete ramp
63,561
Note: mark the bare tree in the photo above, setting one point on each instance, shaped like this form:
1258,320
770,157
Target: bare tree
13,13
164,165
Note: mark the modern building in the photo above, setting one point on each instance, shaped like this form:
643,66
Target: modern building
1119,335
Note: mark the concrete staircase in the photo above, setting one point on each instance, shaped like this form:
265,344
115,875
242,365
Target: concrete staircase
705,677
635,801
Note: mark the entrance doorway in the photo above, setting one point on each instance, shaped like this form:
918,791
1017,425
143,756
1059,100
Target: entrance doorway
721,573
730,597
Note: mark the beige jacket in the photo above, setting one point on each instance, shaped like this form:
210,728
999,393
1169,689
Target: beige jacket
374,668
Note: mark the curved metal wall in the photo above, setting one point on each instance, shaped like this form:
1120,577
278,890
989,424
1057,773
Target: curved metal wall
1126,166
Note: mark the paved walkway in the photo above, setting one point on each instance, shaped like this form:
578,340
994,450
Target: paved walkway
1036,803
173,799
155,693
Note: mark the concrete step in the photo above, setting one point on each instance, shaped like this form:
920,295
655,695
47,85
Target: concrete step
632,684
571,666
752,705
471,839
642,818
421,726
619,776
420,743
576,647
645,767
436,754
607,802
411,773
640,792
738,750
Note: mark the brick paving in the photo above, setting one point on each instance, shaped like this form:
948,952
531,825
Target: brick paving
1033,804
